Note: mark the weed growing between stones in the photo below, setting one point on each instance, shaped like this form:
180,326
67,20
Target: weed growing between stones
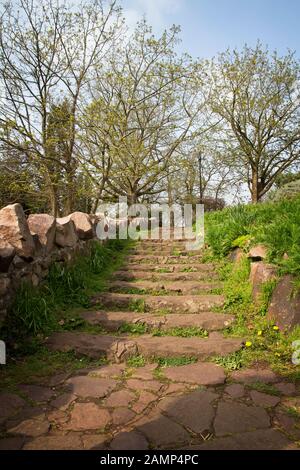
264,388
293,412
133,328
181,332
231,362
137,305
136,361
174,361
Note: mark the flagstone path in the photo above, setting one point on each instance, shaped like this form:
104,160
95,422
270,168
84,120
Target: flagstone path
198,406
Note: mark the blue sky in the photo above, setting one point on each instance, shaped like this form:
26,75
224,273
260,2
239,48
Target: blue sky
210,26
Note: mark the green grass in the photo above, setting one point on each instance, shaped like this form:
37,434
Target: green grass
50,306
275,224
181,332
267,289
136,361
174,361
134,328
137,305
264,343
264,388
293,412
40,364
231,362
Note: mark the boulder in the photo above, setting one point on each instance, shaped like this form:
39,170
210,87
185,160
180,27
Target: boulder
284,308
261,273
83,225
65,232
236,255
44,226
4,285
258,253
15,230
7,253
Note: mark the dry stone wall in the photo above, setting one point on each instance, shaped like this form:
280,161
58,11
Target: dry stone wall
29,246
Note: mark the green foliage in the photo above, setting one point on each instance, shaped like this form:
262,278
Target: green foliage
175,361
265,388
237,288
241,242
35,309
41,363
133,328
136,361
293,412
181,332
231,362
274,224
266,294
137,305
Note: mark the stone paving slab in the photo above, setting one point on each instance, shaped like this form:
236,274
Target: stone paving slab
10,404
87,386
201,373
268,439
235,418
194,411
161,431
249,376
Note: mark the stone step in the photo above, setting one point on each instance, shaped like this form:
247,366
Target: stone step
171,268
157,303
113,321
163,260
119,349
165,277
187,287
159,252
202,348
114,348
164,244
170,238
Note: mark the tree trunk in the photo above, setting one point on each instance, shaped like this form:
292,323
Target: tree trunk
201,189
254,186
53,201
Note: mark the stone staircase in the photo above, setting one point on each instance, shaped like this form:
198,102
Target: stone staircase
176,400
160,291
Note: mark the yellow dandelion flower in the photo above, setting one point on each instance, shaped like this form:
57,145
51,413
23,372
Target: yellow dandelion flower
248,344
275,328
259,333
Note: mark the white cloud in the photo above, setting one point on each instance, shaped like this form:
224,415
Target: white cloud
156,11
